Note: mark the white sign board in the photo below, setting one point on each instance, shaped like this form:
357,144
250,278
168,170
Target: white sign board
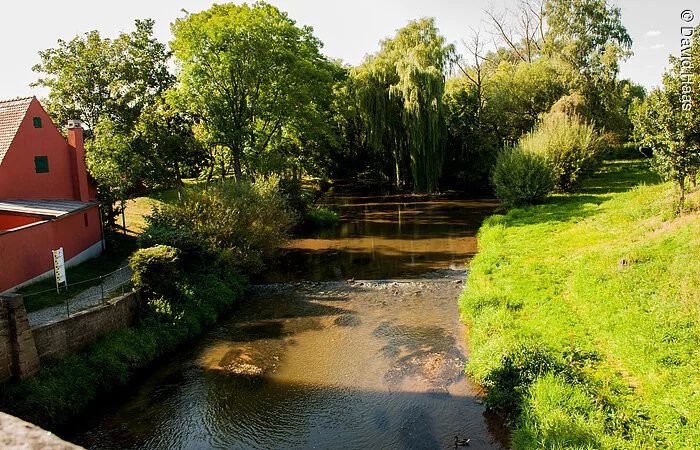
59,266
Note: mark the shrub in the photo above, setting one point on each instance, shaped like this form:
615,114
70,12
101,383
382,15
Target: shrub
521,177
297,197
155,270
571,147
318,218
65,387
161,231
238,224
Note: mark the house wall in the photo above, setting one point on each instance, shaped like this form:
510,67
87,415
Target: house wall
28,250
10,221
18,177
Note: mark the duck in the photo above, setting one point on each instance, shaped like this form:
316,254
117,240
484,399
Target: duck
461,442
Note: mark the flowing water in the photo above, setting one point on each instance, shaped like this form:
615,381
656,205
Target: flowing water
328,364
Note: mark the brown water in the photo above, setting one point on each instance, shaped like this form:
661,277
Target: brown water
390,236
356,364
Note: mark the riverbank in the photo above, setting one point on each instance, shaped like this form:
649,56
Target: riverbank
66,387
583,316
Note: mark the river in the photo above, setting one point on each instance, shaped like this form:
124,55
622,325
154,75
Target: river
353,342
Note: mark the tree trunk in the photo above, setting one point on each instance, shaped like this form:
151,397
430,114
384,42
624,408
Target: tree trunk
681,185
178,180
237,166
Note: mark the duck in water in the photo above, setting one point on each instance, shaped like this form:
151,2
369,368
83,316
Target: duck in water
461,442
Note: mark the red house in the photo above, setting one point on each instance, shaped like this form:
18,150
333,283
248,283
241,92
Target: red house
46,201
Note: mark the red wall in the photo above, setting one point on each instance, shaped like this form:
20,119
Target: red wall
18,178
9,221
26,253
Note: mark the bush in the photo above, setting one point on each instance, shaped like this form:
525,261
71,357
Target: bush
319,218
521,177
238,224
571,147
155,270
298,198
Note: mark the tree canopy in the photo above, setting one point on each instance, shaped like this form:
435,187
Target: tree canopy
253,77
90,77
401,90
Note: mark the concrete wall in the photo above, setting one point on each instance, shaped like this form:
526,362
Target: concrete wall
17,348
16,434
22,349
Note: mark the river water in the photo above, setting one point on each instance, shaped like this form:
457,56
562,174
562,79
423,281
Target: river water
374,360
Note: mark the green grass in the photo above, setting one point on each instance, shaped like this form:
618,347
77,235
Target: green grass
584,316
82,276
136,209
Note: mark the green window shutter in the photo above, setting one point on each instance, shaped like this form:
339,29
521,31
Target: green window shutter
41,164
37,122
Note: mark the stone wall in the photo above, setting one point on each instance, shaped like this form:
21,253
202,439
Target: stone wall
17,348
69,335
23,348
16,434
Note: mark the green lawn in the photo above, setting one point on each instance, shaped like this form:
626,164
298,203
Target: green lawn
584,316
119,247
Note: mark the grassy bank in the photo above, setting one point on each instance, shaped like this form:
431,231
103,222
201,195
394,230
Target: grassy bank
584,316
81,277
65,387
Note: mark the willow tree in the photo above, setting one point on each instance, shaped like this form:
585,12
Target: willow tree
401,92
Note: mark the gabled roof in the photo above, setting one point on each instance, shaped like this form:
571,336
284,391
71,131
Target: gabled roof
12,113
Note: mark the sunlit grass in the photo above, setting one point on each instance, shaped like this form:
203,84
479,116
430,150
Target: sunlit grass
606,282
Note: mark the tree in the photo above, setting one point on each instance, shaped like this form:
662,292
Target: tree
249,72
401,90
589,36
664,124
524,33
90,78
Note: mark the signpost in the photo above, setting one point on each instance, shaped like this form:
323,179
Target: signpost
59,268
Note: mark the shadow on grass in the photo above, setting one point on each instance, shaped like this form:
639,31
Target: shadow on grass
614,177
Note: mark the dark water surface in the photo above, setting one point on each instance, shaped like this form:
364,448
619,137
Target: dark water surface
387,236
327,364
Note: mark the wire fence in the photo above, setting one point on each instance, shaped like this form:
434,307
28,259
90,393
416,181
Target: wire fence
88,293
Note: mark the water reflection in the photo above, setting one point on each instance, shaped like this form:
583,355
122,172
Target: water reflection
329,364
312,365
390,236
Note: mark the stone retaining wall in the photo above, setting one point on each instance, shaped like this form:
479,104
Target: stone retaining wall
23,348
69,335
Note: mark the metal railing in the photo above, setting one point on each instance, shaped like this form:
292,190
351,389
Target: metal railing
94,291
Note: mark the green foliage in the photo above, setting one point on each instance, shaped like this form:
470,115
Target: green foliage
238,224
518,94
400,90
319,218
91,78
258,82
582,316
667,126
521,177
571,147
588,34
155,269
